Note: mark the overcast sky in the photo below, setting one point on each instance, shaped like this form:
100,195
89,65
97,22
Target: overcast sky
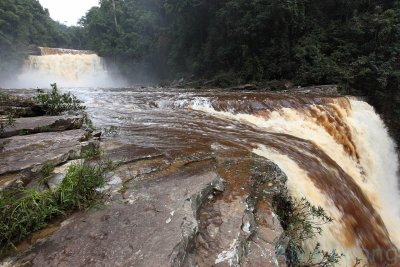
68,11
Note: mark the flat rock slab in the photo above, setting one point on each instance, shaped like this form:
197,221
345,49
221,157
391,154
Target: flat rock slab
24,126
21,111
151,227
16,98
24,153
131,153
18,104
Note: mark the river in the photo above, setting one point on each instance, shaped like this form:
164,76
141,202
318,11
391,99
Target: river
335,151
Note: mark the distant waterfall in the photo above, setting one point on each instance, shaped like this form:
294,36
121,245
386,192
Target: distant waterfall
67,67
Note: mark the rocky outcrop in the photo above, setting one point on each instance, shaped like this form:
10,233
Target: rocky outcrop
11,102
193,210
152,226
22,157
24,126
29,143
239,227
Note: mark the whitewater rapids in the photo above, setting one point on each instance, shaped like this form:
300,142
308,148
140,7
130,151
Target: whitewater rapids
350,133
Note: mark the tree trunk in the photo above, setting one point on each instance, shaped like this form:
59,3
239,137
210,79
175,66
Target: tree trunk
115,14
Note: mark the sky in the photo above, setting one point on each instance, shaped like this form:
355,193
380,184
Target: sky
68,11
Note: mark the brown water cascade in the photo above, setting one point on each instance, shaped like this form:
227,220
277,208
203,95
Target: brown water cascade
335,151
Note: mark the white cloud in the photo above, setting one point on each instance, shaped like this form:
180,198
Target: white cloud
68,11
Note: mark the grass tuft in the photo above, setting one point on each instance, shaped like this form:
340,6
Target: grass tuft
47,168
87,121
23,212
79,185
91,152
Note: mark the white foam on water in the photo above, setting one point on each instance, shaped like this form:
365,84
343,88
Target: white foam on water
67,70
301,186
379,160
375,172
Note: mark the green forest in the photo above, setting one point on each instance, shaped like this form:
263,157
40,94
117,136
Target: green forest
355,44
23,25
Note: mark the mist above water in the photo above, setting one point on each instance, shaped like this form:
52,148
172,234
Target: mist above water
67,68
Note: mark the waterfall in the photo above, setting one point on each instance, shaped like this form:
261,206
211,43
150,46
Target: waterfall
336,153
67,67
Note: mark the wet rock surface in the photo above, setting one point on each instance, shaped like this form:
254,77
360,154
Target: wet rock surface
153,226
238,226
24,153
21,106
24,126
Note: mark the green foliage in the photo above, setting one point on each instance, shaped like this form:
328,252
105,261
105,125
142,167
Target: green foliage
310,41
87,121
4,98
46,171
23,132
302,221
54,103
91,152
323,258
8,121
79,186
24,211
